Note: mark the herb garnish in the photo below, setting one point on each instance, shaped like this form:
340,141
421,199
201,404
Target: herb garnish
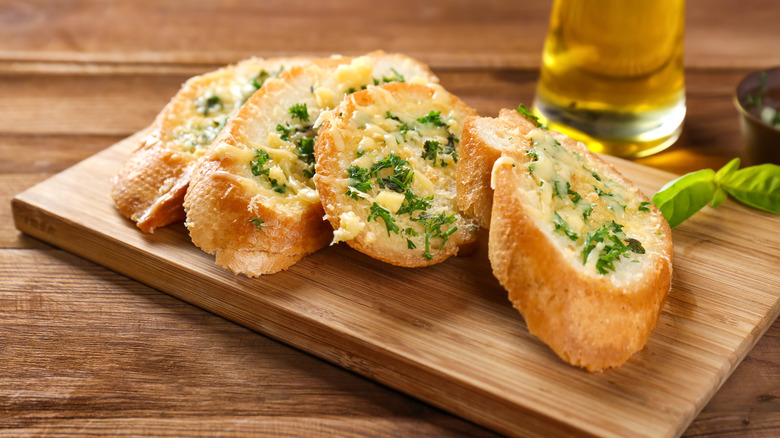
433,117
525,112
258,167
258,222
385,79
404,127
755,186
562,226
359,176
259,79
399,179
432,229
208,103
379,211
612,236
300,112
285,130
414,203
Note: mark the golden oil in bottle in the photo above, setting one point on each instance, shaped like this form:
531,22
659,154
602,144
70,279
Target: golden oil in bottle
612,74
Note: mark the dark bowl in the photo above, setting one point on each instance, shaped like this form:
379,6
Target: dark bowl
762,140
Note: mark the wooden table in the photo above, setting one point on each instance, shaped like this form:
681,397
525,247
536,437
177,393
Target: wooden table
84,350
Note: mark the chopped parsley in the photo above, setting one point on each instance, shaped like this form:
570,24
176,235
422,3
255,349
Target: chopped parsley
394,173
587,211
559,189
433,149
300,112
433,117
432,228
404,127
563,227
208,103
601,192
612,236
398,77
592,173
575,197
258,164
401,176
259,79
285,130
305,150
645,206
525,112
379,211
414,203
258,222
259,167
360,183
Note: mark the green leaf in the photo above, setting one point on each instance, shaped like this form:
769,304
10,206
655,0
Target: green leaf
722,175
756,186
681,198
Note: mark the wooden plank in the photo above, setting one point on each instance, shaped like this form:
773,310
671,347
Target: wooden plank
495,33
446,334
10,185
84,347
124,103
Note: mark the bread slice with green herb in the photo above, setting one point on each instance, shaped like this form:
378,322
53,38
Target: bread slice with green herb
149,189
585,256
386,169
252,202
485,139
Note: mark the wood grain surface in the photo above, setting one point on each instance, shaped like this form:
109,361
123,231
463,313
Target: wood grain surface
447,334
84,350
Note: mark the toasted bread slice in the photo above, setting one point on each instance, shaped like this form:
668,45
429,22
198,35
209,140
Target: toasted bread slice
386,169
150,187
484,140
252,201
585,256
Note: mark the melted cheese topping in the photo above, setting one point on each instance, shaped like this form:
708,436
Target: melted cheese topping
288,137
403,168
589,214
350,226
213,98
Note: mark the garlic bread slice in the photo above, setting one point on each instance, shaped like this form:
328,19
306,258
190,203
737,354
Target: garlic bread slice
585,256
386,171
252,202
150,187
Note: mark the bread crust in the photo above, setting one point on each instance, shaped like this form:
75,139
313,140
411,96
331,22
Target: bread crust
150,187
236,215
590,320
337,147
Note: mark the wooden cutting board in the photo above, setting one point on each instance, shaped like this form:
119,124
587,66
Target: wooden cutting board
447,333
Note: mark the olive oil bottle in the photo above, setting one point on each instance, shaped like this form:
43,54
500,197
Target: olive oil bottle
612,74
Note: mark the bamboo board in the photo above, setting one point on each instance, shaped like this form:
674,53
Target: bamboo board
447,334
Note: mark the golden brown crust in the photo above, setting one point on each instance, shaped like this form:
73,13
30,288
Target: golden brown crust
150,187
590,320
336,148
226,199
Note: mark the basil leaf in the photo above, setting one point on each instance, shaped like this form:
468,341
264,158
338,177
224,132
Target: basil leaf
756,186
722,175
681,198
